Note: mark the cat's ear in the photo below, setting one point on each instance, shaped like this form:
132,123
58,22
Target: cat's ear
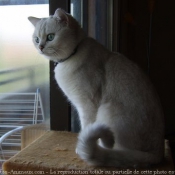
34,20
61,15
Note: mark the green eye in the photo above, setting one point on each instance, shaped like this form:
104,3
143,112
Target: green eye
37,40
50,37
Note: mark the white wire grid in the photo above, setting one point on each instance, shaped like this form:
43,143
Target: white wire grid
17,110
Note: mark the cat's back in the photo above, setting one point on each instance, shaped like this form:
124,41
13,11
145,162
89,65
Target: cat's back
128,84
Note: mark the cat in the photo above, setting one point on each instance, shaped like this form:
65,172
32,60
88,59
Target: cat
122,122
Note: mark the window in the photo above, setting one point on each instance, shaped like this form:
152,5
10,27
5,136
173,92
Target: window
22,69
23,72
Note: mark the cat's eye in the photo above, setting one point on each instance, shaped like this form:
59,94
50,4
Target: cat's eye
37,40
50,37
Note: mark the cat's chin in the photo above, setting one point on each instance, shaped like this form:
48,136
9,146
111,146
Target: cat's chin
41,52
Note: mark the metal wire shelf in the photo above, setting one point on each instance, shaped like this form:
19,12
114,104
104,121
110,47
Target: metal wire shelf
17,110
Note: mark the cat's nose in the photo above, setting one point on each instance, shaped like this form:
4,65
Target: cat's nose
41,47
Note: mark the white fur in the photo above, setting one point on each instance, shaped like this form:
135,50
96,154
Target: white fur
91,152
121,117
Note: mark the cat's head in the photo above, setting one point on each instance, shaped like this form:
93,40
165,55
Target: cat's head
57,36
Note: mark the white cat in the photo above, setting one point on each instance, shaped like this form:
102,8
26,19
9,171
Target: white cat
116,102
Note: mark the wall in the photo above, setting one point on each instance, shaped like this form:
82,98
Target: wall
135,32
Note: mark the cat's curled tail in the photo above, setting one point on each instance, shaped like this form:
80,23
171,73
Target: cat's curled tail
90,151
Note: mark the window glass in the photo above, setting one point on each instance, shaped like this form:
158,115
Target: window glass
22,69
22,72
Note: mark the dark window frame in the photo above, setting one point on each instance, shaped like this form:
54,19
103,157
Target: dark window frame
60,110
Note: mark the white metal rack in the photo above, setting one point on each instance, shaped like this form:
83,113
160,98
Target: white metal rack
17,110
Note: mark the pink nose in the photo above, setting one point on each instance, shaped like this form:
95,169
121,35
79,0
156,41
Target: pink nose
41,47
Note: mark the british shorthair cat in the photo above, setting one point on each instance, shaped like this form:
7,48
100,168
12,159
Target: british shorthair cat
120,113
